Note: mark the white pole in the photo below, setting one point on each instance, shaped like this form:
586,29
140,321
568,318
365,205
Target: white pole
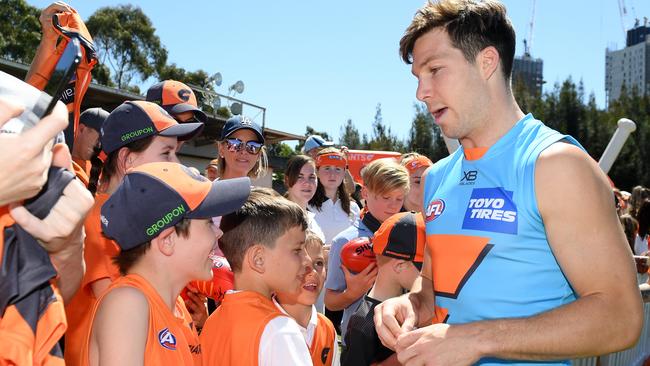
625,127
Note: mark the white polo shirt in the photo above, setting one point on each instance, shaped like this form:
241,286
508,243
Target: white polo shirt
332,219
308,333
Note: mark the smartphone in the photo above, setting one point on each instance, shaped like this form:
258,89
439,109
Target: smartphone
60,86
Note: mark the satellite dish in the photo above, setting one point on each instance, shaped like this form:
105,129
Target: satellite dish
238,87
236,108
217,78
216,103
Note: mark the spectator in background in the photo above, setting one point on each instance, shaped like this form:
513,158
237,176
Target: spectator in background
241,149
631,229
314,144
86,143
643,218
334,210
639,194
178,100
416,164
212,170
300,180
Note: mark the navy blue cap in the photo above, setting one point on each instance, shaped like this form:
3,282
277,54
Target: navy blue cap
239,122
135,120
93,118
157,196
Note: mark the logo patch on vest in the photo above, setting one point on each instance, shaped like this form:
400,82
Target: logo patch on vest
324,354
491,209
435,209
167,339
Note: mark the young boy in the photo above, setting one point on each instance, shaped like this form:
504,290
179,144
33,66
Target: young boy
318,331
264,243
160,216
386,183
399,246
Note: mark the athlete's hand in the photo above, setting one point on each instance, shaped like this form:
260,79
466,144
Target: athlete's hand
196,306
46,18
25,158
359,284
393,318
437,344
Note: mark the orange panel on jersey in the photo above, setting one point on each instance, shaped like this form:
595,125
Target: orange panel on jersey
454,259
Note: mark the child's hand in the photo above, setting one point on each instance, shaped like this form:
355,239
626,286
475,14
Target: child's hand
196,306
359,284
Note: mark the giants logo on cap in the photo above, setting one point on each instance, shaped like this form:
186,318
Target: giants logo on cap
184,94
435,209
167,339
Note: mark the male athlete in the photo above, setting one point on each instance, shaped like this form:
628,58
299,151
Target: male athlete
526,257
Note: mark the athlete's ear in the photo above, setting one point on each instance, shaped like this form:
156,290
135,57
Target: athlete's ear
488,61
165,241
364,192
254,258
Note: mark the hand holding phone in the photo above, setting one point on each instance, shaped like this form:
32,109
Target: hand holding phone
59,84
26,157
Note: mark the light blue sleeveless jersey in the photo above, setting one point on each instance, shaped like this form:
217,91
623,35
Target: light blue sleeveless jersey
491,258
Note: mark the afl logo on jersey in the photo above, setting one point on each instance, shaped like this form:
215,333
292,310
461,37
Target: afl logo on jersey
167,339
435,209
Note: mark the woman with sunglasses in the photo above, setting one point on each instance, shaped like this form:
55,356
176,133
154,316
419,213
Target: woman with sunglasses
241,149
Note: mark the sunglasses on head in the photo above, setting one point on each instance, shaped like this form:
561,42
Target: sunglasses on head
252,147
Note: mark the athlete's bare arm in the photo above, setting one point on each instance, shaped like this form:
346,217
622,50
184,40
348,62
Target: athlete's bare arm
119,332
575,202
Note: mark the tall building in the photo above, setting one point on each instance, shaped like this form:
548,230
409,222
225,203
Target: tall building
530,71
629,66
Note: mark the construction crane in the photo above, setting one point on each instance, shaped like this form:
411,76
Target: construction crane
528,42
622,10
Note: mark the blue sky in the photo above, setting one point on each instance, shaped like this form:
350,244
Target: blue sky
321,63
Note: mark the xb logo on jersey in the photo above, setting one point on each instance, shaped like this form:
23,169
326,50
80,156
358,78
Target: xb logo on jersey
167,339
435,209
468,177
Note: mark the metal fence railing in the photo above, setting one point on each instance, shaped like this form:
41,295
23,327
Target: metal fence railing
630,357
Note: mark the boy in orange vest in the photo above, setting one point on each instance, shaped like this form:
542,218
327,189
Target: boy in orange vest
161,217
319,331
264,243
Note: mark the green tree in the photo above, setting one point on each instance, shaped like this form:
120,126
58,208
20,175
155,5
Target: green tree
281,150
126,41
421,137
20,30
382,137
350,136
